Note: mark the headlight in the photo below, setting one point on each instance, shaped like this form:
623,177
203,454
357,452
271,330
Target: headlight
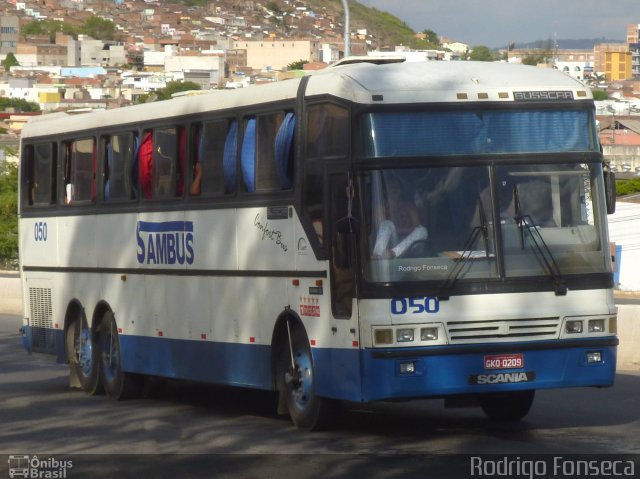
383,336
404,335
429,334
596,326
573,327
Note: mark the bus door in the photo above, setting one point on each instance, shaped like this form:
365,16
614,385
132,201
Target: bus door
344,315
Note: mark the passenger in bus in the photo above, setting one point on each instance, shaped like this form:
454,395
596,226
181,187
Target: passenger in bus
196,184
401,227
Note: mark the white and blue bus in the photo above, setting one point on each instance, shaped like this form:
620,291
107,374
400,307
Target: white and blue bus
368,232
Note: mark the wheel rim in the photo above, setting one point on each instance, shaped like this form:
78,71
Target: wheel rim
84,350
110,356
302,380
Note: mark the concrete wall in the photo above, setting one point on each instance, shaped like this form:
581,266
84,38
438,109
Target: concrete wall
624,231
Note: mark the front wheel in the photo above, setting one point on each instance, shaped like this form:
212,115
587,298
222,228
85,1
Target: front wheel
117,384
298,385
510,406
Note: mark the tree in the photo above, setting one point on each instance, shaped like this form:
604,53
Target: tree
99,28
431,36
167,92
8,215
299,65
18,104
10,61
481,53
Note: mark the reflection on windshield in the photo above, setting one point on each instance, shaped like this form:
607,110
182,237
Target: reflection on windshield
447,224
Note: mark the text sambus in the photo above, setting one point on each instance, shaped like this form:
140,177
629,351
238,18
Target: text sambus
368,232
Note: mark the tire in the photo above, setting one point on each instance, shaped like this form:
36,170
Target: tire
117,384
511,406
83,354
297,383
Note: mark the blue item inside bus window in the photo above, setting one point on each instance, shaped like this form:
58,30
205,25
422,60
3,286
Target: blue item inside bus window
134,168
284,144
229,159
486,132
248,156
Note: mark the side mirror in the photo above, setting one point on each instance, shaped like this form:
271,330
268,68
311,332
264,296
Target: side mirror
610,190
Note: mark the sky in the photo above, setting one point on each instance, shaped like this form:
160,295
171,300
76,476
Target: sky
495,23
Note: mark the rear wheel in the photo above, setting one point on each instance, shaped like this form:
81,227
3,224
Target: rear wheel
117,384
83,354
297,384
510,406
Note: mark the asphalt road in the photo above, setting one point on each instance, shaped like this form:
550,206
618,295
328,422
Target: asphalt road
188,430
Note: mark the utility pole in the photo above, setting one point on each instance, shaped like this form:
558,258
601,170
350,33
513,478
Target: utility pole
347,35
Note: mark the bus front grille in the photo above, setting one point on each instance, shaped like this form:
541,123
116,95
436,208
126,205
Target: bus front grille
503,329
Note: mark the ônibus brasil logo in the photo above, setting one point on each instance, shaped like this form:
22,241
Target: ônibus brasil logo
36,468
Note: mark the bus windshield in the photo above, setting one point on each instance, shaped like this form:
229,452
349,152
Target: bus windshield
539,219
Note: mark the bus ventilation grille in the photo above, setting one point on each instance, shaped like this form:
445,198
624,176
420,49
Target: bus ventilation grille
40,320
504,330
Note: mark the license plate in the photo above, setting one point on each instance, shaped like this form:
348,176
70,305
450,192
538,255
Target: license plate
504,361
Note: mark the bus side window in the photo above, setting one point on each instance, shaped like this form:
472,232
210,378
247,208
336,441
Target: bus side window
40,165
165,162
79,171
210,138
145,163
118,158
229,158
266,152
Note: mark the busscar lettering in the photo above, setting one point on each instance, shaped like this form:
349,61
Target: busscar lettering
169,242
271,234
542,95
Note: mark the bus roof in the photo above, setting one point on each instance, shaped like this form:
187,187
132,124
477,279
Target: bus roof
366,83
439,81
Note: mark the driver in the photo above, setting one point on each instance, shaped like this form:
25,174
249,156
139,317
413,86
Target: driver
401,226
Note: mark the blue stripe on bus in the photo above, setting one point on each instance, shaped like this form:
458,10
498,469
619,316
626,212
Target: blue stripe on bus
449,374
165,226
338,370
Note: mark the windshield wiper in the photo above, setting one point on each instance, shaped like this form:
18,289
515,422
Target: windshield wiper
540,247
463,259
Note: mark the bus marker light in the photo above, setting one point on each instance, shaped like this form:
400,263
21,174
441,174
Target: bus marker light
404,335
160,333
252,339
295,282
573,327
203,336
355,344
594,357
55,325
596,325
383,336
319,283
313,342
119,330
407,368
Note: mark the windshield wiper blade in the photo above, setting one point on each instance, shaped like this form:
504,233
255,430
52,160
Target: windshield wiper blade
524,222
463,259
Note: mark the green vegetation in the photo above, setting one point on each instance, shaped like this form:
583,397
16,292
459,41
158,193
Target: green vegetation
166,92
8,215
95,27
600,95
481,53
18,104
627,187
299,65
10,61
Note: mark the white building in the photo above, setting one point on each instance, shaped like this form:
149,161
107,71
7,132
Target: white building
624,231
